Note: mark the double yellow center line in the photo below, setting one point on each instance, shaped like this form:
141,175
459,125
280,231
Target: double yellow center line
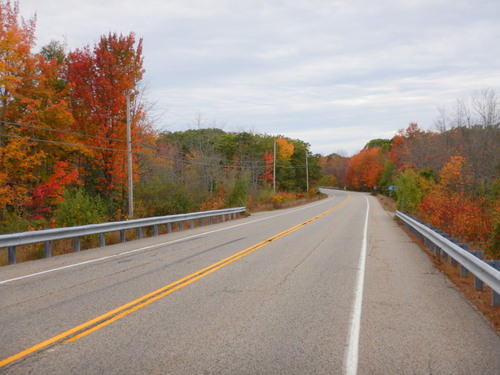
103,320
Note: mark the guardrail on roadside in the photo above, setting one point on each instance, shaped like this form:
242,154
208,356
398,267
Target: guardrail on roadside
11,241
487,272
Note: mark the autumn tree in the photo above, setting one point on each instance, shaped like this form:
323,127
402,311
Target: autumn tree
33,109
333,168
100,79
451,207
17,159
365,169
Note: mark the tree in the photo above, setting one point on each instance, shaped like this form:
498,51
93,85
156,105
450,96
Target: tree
33,106
450,206
17,160
384,144
284,149
486,104
365,169
100,80
267,176
408,192
334,167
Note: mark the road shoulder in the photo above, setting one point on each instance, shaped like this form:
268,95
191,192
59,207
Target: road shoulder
413,319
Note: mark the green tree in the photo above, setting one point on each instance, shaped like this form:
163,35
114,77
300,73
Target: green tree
408,192
237,197
80,208
387,176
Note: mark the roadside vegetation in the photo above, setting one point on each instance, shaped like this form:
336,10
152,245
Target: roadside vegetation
63,150
450,177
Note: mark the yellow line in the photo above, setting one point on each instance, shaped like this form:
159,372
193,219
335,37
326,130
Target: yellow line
111,316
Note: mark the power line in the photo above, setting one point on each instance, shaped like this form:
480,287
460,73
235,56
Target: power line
246,164
98,137
64,131
60,143
173,160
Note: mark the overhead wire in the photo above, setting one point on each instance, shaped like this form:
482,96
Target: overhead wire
250,164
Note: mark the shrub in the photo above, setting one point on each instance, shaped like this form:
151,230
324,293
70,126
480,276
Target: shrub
238,194
80,208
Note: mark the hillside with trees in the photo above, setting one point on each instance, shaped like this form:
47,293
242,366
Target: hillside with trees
450,178
63,149
63,141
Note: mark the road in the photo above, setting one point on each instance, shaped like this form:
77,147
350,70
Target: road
333,287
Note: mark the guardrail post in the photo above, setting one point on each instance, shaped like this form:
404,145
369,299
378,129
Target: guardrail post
464,246
464,272
122,236
76,244
47,251
495,297
191,224
209,220
169,227
201,222
155,230
181,226
478,284
435,248
102,239
12,254
139,233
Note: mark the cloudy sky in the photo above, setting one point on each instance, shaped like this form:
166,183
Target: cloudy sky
333,73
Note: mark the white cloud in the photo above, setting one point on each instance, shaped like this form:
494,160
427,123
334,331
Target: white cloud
343,70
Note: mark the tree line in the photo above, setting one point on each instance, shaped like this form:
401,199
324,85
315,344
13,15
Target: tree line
449,177
63,148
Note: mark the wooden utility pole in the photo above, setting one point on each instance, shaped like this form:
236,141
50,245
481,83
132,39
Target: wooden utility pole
307,171
274,169
129,152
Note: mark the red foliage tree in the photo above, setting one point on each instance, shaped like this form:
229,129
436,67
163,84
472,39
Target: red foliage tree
268,173
49,194
100,81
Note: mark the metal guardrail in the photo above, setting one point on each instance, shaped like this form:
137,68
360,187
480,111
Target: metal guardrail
482,271
11,241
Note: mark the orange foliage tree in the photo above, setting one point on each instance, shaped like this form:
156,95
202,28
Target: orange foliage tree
365,168
284,149
32,101
17,161
452,207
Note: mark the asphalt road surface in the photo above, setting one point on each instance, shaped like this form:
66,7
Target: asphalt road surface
333,287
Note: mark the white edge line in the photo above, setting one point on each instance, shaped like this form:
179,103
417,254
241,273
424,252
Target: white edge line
158,245
352,353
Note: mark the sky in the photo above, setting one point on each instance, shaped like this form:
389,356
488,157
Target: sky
332,73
